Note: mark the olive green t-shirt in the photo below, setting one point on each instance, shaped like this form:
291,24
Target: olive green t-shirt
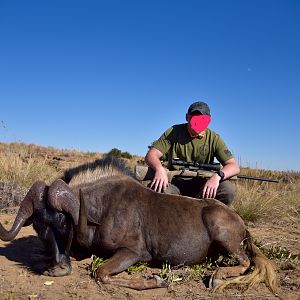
177,142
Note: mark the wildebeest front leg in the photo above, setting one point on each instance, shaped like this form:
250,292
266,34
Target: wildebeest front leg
119,262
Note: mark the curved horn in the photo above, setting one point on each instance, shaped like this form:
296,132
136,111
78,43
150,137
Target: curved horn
62,198
33,200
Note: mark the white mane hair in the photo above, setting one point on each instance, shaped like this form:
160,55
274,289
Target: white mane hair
93,171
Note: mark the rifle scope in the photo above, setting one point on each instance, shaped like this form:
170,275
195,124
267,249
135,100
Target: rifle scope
206,167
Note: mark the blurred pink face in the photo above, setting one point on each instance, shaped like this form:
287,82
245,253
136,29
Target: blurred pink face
199,123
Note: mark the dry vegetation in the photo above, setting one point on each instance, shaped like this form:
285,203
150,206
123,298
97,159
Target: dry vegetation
22,164
265,207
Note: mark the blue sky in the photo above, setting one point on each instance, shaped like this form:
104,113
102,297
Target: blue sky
97,75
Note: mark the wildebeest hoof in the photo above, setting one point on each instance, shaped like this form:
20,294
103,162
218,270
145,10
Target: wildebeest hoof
214,283
161,282
60,269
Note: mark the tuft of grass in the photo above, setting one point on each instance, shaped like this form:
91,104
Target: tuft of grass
168,274
95,264
198,272
98,261
138,267
254,202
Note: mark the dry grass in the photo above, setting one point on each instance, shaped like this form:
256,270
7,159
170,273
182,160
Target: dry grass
24,164
259,200
24,170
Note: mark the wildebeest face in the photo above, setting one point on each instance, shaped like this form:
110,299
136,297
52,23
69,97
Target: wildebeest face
54,227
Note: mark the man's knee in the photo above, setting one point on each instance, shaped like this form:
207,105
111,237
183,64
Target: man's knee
226,192
172,189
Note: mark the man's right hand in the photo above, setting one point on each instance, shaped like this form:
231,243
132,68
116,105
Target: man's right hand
160,180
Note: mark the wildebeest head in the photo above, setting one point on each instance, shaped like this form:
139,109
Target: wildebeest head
61,196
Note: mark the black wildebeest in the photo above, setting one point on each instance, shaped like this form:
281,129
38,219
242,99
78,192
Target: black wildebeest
112,214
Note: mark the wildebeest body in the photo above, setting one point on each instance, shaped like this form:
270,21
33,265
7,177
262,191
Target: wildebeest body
120,218
160,227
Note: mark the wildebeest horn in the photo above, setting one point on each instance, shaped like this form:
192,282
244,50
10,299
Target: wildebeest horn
82,222
62,198
33,200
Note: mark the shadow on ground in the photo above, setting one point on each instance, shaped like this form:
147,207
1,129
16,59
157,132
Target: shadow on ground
28,252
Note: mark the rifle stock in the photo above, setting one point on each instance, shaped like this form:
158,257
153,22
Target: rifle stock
145,173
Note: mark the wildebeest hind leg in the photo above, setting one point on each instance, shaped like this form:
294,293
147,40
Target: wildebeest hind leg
119,262
224,272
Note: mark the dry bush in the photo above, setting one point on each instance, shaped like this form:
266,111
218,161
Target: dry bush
21,168
11,195
258,200
24,164
253,201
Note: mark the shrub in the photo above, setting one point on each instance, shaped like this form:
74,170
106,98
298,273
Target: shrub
126,155
115,152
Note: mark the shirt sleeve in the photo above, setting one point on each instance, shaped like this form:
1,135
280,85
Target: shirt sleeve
163,144
222,153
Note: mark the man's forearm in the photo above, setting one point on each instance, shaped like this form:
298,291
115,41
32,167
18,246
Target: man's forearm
152,159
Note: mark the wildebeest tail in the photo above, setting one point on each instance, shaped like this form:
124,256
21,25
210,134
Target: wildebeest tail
264,268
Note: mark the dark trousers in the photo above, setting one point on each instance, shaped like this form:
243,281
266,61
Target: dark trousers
193,187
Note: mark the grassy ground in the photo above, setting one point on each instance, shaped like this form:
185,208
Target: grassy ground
268,205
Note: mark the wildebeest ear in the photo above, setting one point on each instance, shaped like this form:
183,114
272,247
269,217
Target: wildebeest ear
63,198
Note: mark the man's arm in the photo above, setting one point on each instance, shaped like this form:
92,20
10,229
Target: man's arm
160,180
230,169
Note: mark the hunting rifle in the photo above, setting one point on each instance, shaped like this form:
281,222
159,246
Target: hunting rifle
190,169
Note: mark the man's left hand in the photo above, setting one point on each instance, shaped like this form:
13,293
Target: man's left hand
211,186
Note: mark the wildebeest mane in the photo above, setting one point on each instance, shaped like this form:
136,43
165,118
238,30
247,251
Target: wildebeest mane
92,171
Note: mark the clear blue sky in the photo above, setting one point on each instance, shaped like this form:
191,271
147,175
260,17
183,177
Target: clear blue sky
97,75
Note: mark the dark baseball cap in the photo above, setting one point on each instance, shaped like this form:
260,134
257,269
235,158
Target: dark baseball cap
199,106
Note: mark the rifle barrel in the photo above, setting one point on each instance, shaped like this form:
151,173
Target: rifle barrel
257,178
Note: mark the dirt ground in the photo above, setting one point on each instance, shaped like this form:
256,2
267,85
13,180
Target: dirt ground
20,262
